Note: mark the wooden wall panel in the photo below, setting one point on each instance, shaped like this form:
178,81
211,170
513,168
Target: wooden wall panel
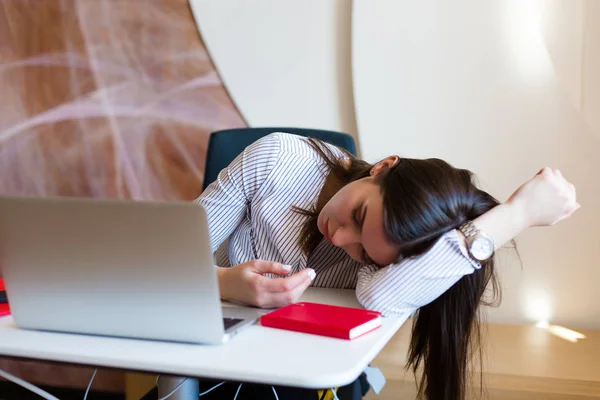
105,99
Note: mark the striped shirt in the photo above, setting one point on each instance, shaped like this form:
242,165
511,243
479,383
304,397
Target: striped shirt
250,216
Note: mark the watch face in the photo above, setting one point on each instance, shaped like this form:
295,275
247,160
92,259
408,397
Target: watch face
482,248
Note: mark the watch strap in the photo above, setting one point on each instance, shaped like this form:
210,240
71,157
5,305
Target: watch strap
469,229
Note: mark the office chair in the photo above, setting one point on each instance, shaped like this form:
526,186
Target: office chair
225,145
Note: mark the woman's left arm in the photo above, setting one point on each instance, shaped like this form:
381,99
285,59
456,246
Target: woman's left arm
544,200
401,288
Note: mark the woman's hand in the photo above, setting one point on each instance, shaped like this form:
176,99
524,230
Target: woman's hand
545,199
246,283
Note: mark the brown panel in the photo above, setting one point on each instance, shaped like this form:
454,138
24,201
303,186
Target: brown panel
68,376
106,99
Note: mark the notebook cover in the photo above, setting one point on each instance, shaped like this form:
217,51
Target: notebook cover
322,319
4,310
3,298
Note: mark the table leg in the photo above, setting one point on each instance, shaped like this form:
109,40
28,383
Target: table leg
189,389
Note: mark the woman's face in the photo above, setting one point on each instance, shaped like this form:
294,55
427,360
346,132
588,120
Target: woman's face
353,220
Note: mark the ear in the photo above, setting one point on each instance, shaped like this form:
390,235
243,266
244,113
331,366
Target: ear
384,164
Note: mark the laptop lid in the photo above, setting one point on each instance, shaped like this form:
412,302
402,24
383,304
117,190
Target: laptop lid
111,267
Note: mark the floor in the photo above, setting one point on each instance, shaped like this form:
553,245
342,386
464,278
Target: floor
520,363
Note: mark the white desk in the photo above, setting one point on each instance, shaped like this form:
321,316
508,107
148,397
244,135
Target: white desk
258,354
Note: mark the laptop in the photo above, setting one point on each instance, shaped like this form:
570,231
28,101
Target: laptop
114,267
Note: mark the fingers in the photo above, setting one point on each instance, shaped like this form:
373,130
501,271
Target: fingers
269,267
570,190
278,292
574,193
556,172
551,172
287,284
567,190
548,172
285,298
545,171
570,193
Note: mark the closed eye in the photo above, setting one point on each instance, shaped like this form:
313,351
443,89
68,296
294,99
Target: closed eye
359,220
358,216
355,216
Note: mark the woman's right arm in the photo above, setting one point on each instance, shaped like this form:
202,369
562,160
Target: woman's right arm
227,201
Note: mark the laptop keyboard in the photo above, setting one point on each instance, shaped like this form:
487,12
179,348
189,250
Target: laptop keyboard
229,322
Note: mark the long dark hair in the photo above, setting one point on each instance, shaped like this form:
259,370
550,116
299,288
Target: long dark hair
422,200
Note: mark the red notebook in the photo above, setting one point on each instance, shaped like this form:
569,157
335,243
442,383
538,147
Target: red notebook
4,308
322,319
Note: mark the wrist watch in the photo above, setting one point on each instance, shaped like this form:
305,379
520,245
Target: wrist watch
480,246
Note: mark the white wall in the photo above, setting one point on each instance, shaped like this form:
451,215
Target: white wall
284,63
590,76
571,33
562,27
474,83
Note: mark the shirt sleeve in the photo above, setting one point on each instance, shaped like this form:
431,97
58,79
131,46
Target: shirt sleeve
227,199
415,282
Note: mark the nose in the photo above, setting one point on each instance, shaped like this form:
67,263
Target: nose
344,237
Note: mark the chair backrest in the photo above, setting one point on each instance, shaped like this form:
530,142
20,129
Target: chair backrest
224,146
